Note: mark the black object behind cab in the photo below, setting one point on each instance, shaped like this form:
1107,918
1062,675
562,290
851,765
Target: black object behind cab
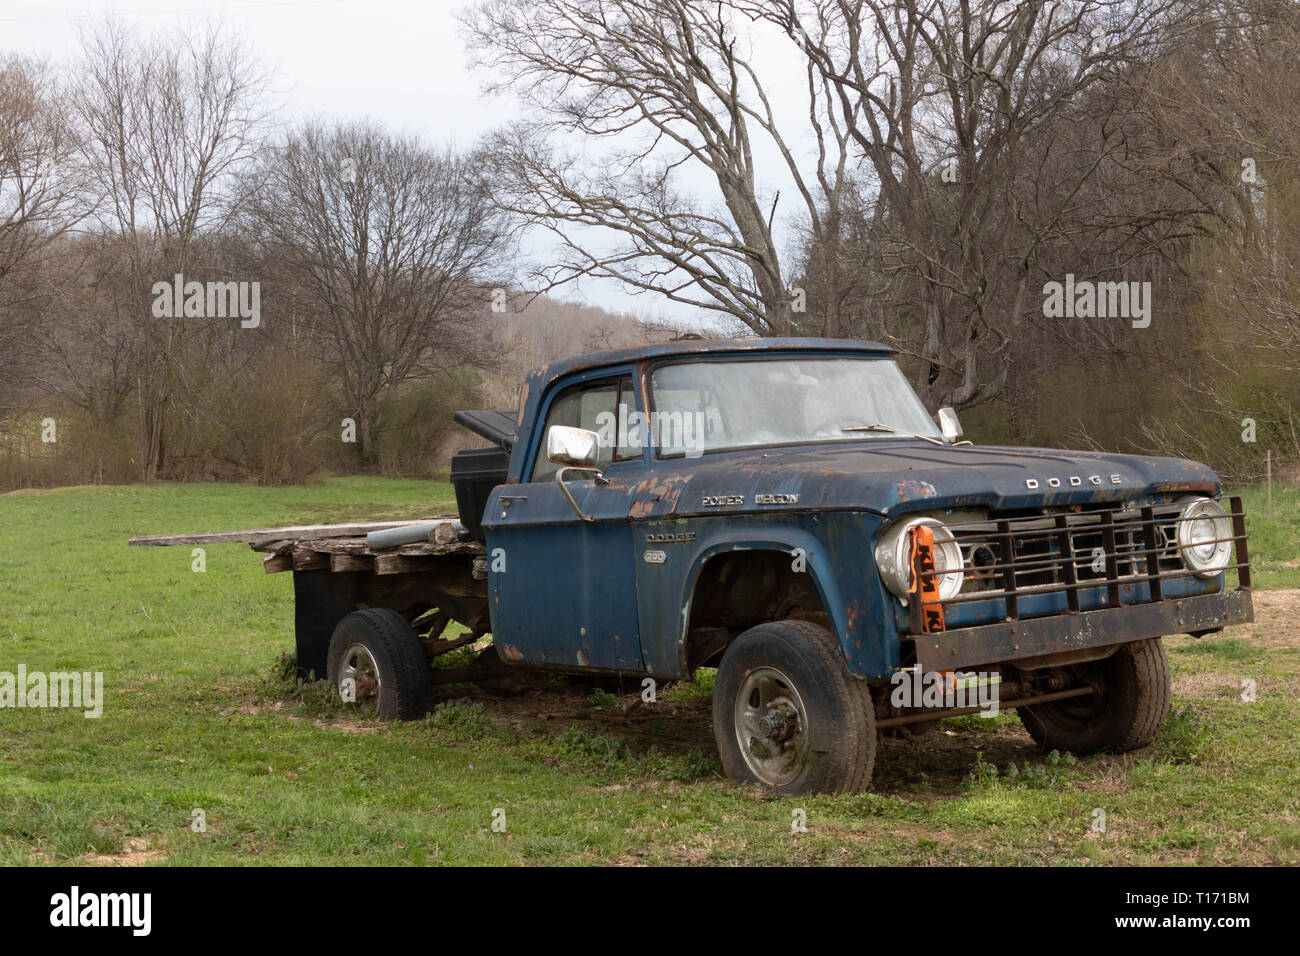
474,473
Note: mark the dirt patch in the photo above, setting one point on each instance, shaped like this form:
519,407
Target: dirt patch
137,853
1276,628
939,763
251,709
1277,621
1209,686
673,726
349,726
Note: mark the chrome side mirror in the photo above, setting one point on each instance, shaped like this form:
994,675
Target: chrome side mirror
949,425
578,450
575,447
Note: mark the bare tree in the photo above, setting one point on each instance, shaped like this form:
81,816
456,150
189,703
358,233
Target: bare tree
167,122
948,101
1227,103
41,198
389,244
84,339
1240,121
40,189
669,90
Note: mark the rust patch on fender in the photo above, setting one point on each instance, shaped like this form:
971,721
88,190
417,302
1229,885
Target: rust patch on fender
911,488
852,612
1199,486
511,653
650,492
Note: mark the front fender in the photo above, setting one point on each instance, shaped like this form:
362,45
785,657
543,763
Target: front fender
836,551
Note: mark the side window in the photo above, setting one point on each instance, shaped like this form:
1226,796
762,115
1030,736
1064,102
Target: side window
632,429
602,407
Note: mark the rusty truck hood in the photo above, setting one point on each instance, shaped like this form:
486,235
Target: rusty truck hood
887,477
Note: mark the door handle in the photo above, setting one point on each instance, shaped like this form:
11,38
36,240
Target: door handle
508,500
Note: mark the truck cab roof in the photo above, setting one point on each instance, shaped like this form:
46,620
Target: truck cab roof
504,427
641,353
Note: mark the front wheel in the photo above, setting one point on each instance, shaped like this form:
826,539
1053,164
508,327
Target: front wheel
1129,701
787,714
377,663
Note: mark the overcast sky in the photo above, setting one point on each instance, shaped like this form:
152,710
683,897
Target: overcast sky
397,61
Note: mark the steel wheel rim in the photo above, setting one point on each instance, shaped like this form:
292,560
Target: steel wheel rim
358,665
1082,714
771,726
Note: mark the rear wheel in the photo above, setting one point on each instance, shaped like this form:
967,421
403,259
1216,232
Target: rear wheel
376,662
787,714
1129,701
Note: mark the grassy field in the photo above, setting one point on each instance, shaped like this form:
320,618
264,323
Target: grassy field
197,717
1274,539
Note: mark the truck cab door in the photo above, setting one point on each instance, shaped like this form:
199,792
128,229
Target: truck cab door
561,590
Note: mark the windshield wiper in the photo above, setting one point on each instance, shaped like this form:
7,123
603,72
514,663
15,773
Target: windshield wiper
882,427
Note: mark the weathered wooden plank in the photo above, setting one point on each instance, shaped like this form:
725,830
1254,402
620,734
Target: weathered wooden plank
297,533
323,545
429,549
305,559
274,563
398,564
357,546
342,563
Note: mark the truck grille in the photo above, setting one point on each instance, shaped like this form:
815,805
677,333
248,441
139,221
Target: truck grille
1017,557
1037,549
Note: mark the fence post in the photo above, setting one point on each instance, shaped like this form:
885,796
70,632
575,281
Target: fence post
1268,464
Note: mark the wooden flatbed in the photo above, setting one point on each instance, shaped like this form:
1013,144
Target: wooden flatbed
338,547
439,578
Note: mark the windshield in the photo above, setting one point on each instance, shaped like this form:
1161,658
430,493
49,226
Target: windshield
754,402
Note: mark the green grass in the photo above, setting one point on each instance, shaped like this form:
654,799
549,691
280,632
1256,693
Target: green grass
198,716
1274,540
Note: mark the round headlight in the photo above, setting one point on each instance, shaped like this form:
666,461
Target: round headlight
894,552
1204,534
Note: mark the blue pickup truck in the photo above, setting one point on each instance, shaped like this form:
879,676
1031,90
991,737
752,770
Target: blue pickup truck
788,512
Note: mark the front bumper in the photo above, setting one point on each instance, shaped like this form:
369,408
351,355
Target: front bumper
970,647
